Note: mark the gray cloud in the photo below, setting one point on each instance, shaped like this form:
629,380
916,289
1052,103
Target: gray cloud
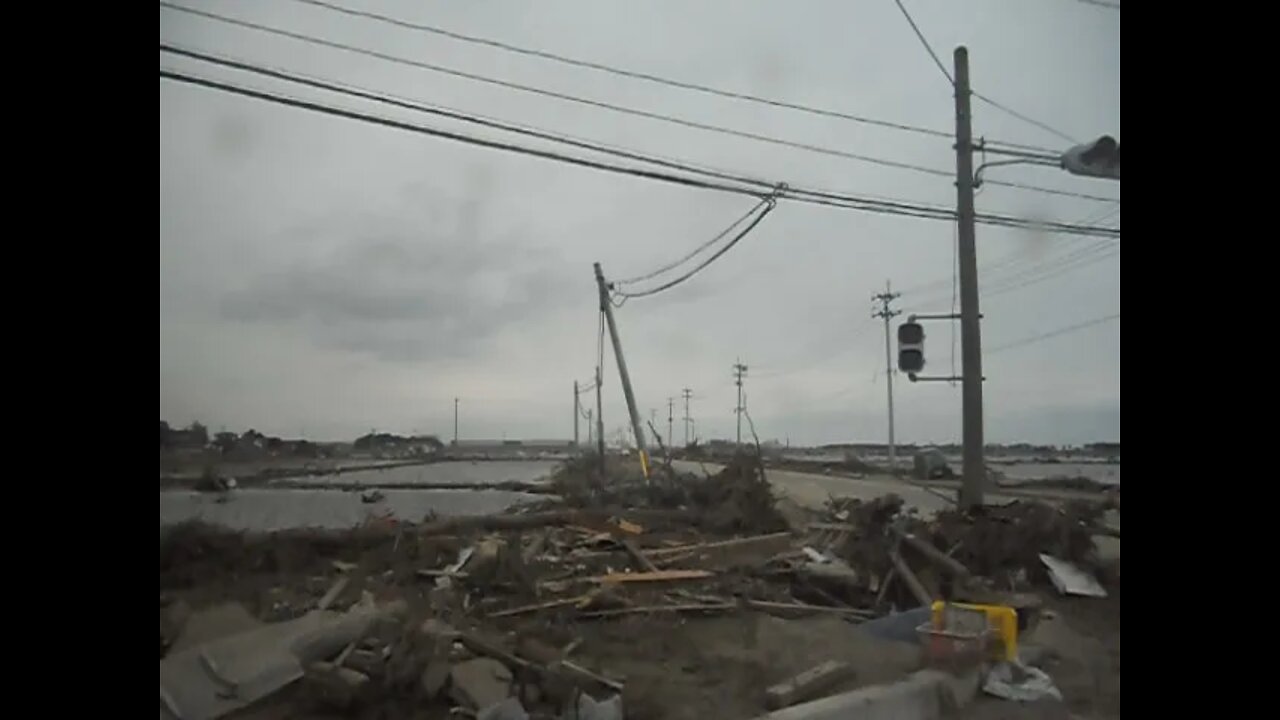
404,293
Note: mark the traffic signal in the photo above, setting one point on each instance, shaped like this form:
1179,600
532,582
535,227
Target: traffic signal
1100,158
910,347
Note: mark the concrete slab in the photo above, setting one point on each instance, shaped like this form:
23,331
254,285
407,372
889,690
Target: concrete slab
925,695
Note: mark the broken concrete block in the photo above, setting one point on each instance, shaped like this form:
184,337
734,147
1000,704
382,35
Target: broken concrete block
479,683
509,709
337,687
812,683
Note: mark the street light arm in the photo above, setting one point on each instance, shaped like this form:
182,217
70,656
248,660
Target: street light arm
977,175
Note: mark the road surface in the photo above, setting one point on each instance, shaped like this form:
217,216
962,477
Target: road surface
812,490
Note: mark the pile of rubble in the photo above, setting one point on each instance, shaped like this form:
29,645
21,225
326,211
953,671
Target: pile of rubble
488,616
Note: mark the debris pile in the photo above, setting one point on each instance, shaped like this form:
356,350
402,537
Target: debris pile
546,611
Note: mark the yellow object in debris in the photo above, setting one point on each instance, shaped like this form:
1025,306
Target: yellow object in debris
1001,618
629,527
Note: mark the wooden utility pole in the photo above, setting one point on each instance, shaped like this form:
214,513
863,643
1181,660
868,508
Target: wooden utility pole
607,308
974,467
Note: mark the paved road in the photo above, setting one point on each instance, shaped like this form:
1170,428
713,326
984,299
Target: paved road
812,490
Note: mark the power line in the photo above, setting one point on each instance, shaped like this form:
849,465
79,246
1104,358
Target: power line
558,95
626,73
561,96
769,204
1052,334
945,73
700,248
847,202
1024,118
441,111
1107,253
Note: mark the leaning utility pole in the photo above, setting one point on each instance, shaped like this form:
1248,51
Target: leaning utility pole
607,308
600,419
738,371
974,469
686,393
887,314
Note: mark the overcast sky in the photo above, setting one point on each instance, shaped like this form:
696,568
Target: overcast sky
325,277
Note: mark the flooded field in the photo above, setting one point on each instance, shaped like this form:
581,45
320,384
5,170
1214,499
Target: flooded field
480,473
268,510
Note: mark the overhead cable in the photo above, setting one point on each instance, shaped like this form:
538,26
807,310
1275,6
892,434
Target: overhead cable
674,264
937,172
1052,334
809,196
768,205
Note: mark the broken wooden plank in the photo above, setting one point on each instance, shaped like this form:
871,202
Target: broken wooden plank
699,607
934,555
546,519
655,576
333,594
641,559
840,527
577,669
913,583
801,607
808,685
540,606
767,541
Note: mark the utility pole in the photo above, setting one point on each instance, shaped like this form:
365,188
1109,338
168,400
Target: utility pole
575,413
974,468
671,404
686,393
887,314
455,422
600,419
607,308
738,371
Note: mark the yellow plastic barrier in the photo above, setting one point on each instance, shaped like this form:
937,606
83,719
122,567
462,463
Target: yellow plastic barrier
1003,619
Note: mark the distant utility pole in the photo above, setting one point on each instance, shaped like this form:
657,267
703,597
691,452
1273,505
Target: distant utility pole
686,393
455,422
576,412
886,313
974,468
738,371
671,404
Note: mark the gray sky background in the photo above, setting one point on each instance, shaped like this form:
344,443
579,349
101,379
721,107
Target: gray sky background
324,277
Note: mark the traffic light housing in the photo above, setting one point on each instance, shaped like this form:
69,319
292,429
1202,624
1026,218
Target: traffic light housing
1100,158
911,347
